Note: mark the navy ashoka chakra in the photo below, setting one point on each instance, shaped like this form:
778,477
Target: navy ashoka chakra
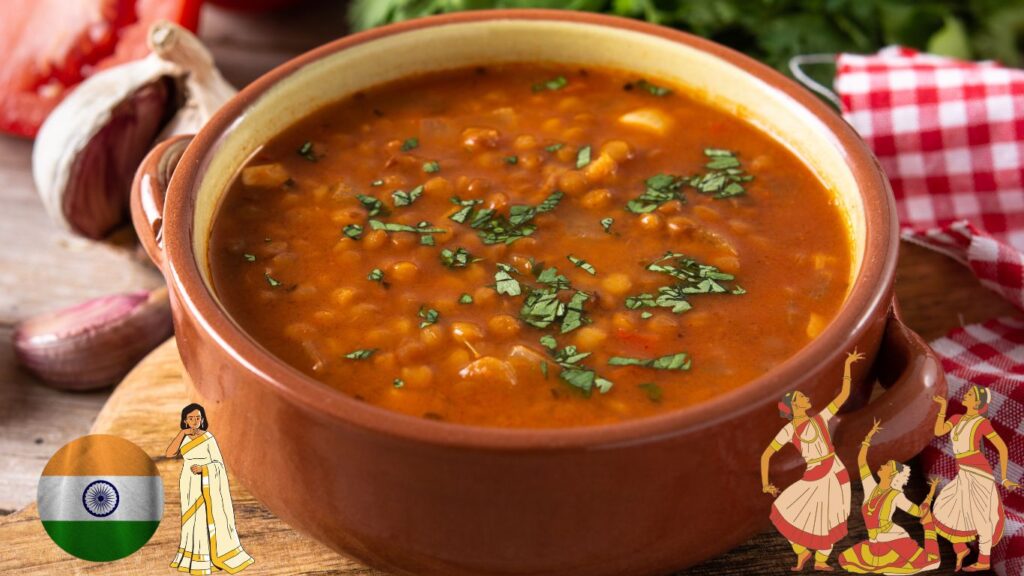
100,498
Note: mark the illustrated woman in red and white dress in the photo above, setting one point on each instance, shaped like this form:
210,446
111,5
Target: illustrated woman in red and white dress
811,513
889,548
969,506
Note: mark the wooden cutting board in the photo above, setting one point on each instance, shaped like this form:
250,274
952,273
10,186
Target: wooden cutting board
145,409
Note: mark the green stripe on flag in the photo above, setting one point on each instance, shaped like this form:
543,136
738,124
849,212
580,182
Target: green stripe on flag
100,541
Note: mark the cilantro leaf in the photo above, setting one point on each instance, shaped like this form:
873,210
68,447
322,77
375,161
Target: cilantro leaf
678,361
659,189
458,258
410,144
583,157
581,263
402,198
429,316
504,283
306,151
556,83
353,231
373,205
361,354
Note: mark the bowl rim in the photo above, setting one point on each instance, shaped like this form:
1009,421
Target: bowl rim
868,297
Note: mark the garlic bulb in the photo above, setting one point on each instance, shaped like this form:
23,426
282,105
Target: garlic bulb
95,343
88,148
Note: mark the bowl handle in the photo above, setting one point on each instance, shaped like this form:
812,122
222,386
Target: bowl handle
147,194
912,374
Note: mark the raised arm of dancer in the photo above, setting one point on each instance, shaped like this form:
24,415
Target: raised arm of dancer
942,426
844,392
862,456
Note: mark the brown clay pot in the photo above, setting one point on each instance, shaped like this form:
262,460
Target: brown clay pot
416,496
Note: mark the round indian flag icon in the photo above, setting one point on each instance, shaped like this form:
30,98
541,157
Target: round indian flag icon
100,498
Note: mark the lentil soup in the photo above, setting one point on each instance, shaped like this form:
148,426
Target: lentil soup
529,245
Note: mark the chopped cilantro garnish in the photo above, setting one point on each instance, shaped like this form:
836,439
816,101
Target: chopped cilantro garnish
306,151
373,205
692,278
465,299
423,227
572,373
724,178
458,258
511,160
353,231
678,361
398,383
504,283
361,354
548,341
403,198
249,257
653,391
645,315
274,283
659,189
583,157
606,223
429,316
376,275
556,83
554,147
494,228
410,144
463,213
544,369
431,167
426,240
581,263
652,88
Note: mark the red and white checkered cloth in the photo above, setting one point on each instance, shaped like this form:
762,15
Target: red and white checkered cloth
950,136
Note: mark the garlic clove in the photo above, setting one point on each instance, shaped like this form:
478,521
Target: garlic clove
95,343
87,150
75,159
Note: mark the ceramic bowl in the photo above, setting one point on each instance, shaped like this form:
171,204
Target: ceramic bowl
416,496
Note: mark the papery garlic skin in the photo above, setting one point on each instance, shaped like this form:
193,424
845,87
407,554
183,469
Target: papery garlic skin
95,343
204,87
87,150
69,133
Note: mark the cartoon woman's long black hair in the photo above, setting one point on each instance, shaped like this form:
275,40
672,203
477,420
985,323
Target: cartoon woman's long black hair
202,414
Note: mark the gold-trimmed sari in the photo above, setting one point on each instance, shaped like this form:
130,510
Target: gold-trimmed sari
209,540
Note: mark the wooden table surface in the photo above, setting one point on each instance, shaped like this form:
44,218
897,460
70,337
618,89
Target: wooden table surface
42,268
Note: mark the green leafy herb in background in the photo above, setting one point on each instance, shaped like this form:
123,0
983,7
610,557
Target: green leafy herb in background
775,30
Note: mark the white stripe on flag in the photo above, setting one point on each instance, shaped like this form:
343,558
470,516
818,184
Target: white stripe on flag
138,498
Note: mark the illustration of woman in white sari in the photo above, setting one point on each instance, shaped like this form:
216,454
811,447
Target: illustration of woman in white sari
889,549
969,506
208,538
812,512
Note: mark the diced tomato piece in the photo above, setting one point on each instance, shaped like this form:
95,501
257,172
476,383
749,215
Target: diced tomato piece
47,47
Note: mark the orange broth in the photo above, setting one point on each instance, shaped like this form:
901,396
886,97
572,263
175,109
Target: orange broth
756,268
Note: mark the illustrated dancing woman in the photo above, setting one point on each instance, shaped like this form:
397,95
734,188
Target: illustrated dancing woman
811,513
969,506
889,549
